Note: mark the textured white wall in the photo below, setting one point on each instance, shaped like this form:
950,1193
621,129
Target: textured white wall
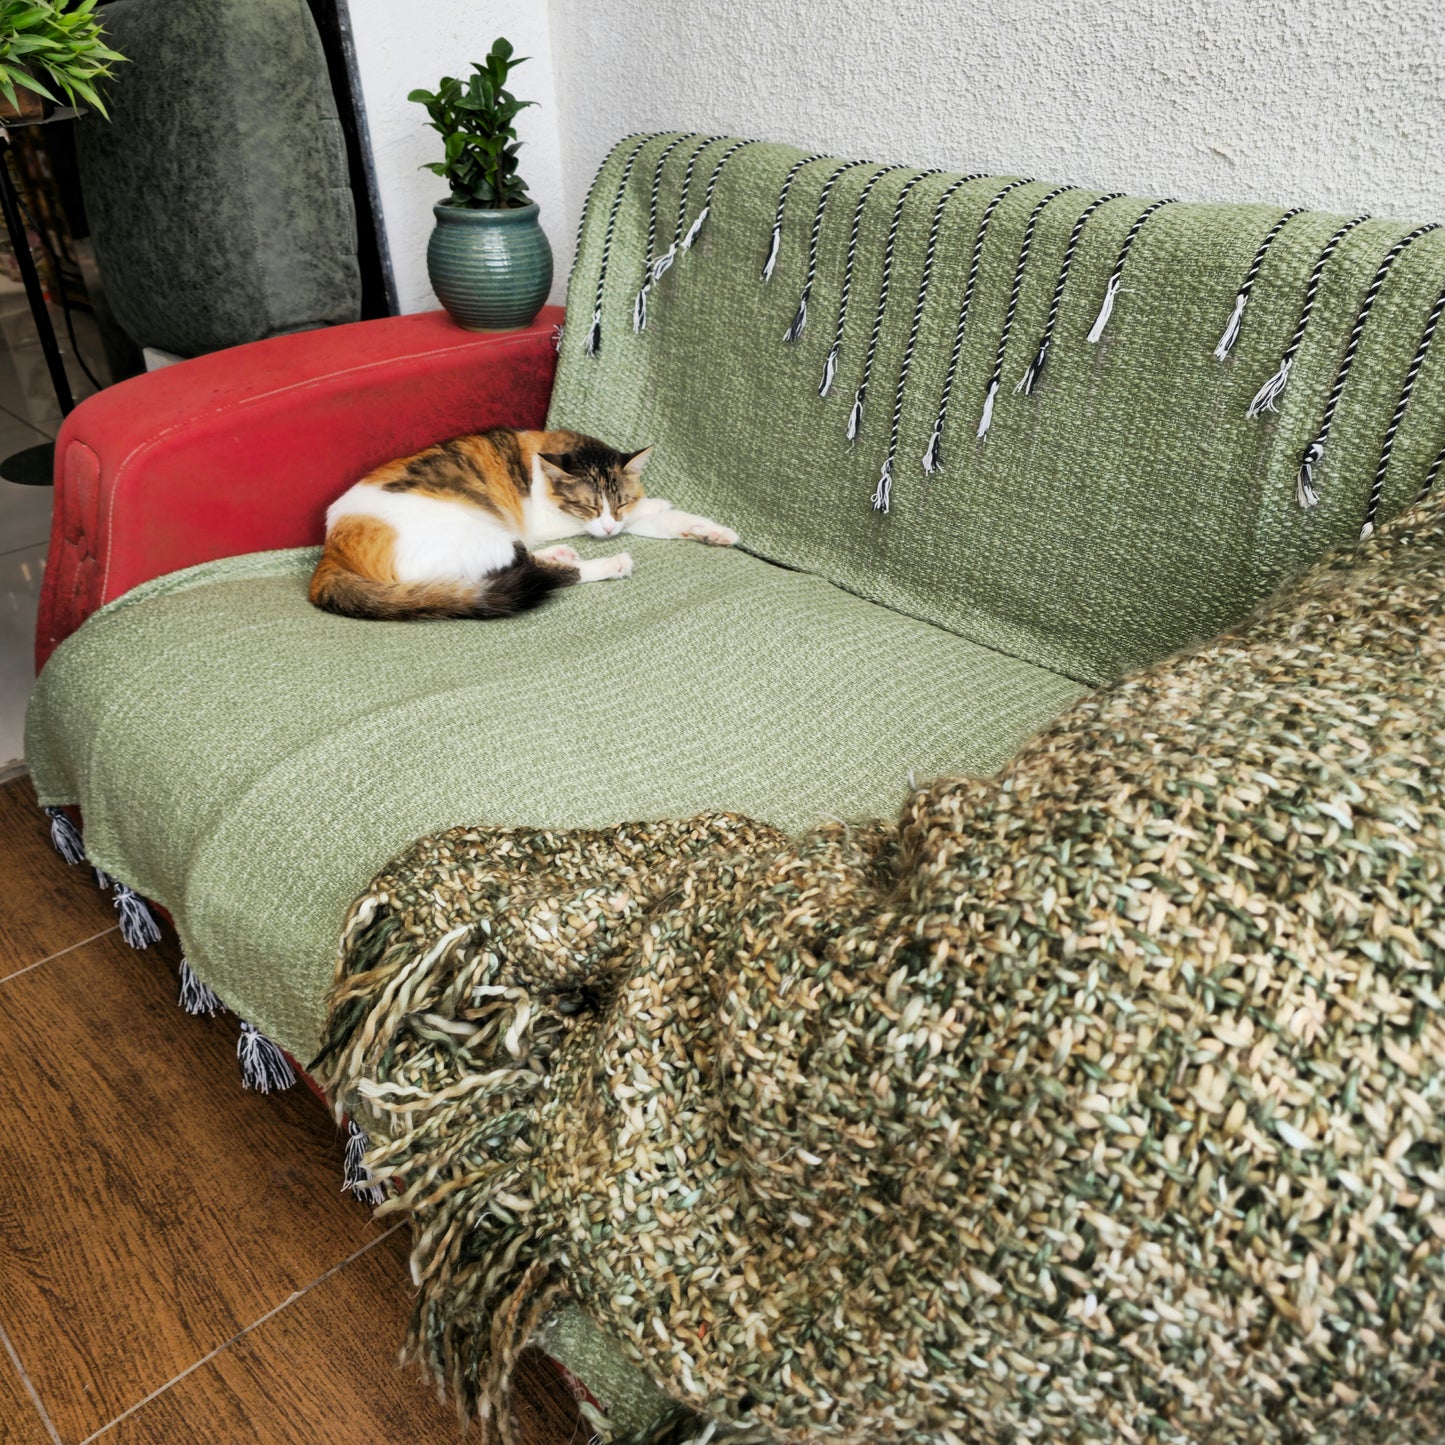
1331,104
400,47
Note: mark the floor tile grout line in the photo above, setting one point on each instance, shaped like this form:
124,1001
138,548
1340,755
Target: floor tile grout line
29,1386
26,546
239,1335
59,953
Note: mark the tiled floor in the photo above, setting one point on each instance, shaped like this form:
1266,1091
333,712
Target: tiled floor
29,415
177,1262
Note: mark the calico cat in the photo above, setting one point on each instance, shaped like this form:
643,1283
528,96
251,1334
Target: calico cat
449,532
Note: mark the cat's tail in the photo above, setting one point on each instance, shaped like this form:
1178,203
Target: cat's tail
520,586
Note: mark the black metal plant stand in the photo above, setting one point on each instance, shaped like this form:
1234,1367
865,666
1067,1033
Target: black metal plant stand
35,466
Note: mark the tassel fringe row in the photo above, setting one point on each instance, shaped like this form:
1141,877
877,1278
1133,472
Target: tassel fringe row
795,331
924,282
594,336
855,419
777,235
1316,449
1116,276
1035,368
830,368
695,230
1382,468
1236,317
931,457
639,305
264,1067
1268,394
1013,301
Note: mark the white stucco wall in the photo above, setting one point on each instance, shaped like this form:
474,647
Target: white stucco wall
1333,104
399,47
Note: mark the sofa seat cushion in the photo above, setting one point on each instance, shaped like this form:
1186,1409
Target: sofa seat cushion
250,762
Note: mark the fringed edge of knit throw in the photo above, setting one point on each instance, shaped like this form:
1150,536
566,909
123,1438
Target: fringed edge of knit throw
457,1155
264,1067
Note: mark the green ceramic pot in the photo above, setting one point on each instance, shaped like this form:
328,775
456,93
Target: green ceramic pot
492,270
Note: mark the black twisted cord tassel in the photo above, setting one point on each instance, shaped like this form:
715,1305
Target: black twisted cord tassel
639,303
1116,276
1035,369
931,455
800,320
594,333
1306,492
1266,397
855,415
777,236
1401,406
1241,300
884,492
830,367
1013,300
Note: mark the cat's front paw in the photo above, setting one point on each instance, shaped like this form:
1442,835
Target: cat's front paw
561,555
712,533
618,565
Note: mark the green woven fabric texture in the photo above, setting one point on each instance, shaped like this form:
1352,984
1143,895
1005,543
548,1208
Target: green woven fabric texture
1127,508
250,762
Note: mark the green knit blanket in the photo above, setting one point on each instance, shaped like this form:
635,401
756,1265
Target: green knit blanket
1100,1099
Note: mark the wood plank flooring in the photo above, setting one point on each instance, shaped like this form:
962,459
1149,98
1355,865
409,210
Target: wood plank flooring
177,1261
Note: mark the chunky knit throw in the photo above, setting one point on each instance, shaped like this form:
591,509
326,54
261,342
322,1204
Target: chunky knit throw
1097,1100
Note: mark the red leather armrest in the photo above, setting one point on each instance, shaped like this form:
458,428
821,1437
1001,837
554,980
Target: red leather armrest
243,450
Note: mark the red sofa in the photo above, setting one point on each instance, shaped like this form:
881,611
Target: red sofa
242,450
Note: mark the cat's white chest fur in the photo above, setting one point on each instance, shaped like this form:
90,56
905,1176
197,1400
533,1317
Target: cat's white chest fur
436,540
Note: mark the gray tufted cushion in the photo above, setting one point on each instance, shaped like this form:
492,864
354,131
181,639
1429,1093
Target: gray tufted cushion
218,194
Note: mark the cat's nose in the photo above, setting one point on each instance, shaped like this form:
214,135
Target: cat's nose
608,526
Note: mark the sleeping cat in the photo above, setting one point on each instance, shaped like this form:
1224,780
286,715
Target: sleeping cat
449,532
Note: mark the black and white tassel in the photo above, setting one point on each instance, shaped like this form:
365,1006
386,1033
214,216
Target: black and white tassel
693,231
932,458
1429,483
137,923
103,880
1116,276
1307,492
1013,300
639,303
664,262
830,366
882,497
594,334
855,415
1035,369
264,1068
197,997
356,1178
1421,352
776,240
65,836
800,320
1270,393
1241,300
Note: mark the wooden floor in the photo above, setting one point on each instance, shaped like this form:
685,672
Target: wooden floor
177,1261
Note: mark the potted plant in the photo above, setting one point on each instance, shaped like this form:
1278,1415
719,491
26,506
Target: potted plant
48,40
488,259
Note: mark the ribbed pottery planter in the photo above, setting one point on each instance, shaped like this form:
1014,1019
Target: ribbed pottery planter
492,270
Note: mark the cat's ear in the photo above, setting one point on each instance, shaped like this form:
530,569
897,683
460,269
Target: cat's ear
552,468
636,462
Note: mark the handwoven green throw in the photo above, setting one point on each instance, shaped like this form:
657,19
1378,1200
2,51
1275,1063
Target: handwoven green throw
1098,1100
1126,507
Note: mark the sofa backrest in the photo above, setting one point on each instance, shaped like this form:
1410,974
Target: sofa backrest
1126,507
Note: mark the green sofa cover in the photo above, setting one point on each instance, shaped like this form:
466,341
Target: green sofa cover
250,763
